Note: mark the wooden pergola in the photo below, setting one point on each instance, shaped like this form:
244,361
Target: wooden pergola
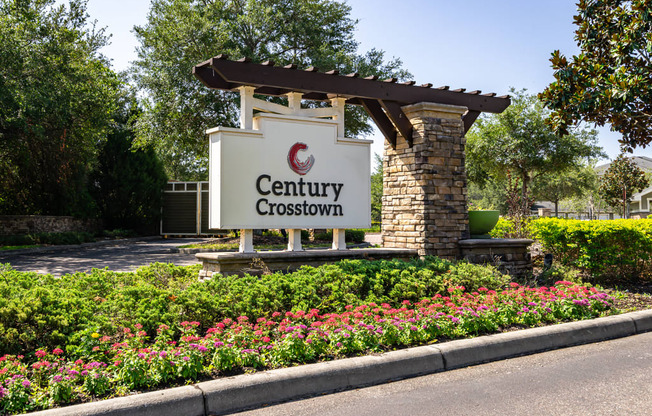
382,99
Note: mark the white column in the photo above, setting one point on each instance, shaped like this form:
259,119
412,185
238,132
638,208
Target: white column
294,101
339,241
246,122
294,240
338,104
247,241
246,107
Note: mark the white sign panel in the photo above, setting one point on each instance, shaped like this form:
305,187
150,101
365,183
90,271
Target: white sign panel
289,172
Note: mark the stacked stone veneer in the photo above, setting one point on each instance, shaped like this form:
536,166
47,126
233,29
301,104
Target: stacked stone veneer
28,224
424,186
510,255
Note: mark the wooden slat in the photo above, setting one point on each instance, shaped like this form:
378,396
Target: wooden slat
375,111
237,73
400,120
468,119
208,78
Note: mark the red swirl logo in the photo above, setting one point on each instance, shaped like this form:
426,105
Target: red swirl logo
295,164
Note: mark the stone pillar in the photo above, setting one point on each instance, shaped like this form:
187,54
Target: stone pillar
424,186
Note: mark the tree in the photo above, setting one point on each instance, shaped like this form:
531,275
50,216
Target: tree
127,184
519,141
182,33
57,94
610,81
557,186
377,190
621,181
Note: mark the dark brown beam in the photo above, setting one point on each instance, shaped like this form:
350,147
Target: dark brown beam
400,120
373,108
468,118
208,77
237,73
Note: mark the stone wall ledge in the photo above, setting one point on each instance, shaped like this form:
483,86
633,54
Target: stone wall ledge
472,243
257,262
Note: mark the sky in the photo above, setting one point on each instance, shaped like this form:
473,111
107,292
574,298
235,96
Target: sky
473,44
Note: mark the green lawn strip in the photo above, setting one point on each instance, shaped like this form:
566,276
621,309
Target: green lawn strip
8,248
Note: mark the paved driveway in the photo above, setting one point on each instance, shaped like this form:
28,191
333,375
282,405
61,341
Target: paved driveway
120,256
610,378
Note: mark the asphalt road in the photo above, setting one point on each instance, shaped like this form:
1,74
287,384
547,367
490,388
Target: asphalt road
119,257
607,378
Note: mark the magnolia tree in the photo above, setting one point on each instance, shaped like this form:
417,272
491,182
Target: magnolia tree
610,81
620,181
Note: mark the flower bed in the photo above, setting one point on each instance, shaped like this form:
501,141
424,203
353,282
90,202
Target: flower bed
106,365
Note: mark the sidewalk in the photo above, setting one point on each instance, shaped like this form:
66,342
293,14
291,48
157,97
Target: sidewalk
233,394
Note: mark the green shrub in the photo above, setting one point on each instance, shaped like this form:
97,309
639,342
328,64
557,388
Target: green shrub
350,236
475,276
39,311
503,228
604,250
559,272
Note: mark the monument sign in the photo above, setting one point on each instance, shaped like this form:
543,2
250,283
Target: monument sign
288,172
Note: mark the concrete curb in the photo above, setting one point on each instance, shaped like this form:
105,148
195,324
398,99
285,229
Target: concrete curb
61,248
186,401
233,394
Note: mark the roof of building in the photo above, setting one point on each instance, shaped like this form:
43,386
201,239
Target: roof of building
643,162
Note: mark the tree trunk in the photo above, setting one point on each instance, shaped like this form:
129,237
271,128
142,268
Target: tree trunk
556,208
525,206
625,203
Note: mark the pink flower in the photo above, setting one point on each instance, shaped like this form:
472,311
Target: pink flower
41,353
57,351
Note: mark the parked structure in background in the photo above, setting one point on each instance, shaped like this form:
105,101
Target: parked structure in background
185,209
640,206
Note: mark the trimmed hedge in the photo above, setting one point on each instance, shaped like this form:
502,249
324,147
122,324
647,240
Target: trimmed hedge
350,236
603,249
